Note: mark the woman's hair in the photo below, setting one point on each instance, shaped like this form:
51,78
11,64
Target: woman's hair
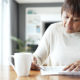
72,6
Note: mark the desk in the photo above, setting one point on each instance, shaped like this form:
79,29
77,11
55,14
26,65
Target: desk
7,73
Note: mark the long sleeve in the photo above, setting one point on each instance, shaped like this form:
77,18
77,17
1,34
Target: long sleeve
43,49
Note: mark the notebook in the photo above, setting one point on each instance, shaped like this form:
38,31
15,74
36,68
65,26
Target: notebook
56,70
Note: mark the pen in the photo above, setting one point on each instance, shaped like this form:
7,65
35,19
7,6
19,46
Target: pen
42,68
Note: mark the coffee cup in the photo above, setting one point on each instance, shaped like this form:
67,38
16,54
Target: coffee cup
22,63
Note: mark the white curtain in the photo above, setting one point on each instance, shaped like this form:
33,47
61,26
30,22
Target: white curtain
0,28
5,47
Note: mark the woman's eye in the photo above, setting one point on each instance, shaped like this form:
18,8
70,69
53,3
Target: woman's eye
76,20
66,17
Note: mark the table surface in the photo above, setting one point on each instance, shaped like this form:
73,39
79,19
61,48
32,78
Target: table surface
7,73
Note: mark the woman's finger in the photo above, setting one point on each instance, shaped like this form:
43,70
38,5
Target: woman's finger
77,68
67,67
72,67
35,66
34,60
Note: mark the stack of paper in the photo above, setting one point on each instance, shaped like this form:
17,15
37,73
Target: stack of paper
56,70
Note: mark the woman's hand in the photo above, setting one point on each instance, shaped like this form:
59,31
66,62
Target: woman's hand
34,65
74,66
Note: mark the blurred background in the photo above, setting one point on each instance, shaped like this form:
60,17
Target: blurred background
23,23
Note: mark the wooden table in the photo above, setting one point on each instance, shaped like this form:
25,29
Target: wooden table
7,73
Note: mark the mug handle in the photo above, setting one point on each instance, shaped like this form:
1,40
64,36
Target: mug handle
10,57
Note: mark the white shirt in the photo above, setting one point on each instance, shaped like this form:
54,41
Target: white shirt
62,48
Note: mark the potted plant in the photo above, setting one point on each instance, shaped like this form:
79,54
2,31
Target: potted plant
22,45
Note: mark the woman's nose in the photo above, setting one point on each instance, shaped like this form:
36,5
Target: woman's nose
69,22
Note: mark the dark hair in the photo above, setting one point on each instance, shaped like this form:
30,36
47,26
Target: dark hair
72,6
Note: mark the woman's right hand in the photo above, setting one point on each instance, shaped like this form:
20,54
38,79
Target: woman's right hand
34,65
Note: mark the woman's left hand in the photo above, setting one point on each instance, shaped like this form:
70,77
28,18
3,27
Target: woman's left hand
74,66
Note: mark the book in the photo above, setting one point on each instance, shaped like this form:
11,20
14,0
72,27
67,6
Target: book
56,70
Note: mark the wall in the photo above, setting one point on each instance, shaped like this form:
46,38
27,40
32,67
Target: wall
14,21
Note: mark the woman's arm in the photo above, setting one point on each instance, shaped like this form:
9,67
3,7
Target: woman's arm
43,50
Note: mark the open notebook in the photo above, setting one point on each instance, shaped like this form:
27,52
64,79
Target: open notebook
56,70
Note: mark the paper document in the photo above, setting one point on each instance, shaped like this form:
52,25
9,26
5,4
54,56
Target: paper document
56,70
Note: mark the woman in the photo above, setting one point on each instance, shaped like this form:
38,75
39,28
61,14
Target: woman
61,41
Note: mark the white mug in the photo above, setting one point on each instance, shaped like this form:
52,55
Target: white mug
22,63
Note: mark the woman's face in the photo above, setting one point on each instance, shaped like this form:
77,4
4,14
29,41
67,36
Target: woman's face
71,23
